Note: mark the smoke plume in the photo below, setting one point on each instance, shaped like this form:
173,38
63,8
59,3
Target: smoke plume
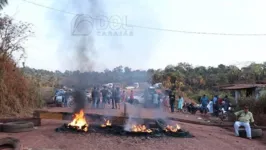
80,100
77,43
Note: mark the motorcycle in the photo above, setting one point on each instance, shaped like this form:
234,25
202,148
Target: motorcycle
190,108
223,114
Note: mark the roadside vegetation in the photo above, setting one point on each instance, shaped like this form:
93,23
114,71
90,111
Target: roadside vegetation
18,93
23,89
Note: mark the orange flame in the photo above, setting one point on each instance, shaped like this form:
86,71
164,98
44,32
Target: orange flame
106,123
79,121
140,128
172,128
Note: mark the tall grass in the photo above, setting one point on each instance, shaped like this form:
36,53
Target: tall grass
257,107
18,94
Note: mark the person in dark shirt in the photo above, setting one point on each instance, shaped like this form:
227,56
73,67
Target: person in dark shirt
172,100
98,96
104,96
117,98
94,97
113,97
226,103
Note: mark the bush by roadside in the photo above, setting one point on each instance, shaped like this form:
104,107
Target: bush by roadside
257,107
18,94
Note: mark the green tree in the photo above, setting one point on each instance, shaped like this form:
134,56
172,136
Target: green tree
3,3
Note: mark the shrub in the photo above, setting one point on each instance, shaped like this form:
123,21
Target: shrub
18,94
257,107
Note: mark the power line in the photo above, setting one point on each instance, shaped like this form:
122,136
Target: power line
150,28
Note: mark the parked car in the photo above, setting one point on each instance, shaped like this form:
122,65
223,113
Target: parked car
63,98
136,85
130,87
136,100
109,85
148,96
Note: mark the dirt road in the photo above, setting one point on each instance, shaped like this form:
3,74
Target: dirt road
206,137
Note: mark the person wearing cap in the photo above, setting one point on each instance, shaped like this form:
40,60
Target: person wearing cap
244,117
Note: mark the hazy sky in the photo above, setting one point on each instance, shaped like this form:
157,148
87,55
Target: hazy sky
51,47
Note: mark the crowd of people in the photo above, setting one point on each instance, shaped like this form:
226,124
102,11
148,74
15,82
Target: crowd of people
206,105
214,105
101,97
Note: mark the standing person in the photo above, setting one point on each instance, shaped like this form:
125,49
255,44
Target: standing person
94,99
155,99
123,96
109,96
131,97
104,96
180,103
172,99
160,98
166,103
220,101
113,97
117,98
244,117
226,103
215,105
204,102
98,97
210,107
199,99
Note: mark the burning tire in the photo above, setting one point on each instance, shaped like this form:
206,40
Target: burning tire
10,142
14,127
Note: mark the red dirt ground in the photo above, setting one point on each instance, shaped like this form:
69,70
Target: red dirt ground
206,137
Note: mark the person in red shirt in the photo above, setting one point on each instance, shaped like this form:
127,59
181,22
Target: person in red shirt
220,100
131,95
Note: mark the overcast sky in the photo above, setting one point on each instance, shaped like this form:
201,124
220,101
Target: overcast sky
52,47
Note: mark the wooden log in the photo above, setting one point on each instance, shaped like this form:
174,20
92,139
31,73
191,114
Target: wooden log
51,115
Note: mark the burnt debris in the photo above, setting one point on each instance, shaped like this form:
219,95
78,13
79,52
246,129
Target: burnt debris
157,130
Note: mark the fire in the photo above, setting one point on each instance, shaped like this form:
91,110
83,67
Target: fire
140,128
106,123
79,122
172,128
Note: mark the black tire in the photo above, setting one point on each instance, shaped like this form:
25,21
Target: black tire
185,110
14,127
255,133
10,142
